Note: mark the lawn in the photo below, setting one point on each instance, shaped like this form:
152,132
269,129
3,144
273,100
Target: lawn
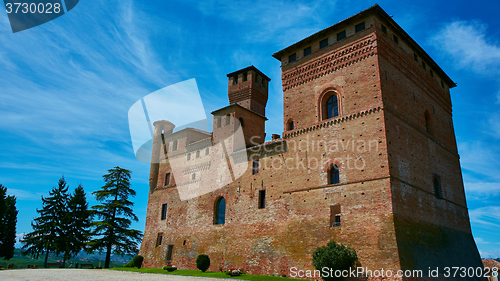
204,274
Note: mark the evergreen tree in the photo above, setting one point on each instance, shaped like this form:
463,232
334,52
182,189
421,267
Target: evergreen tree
76,226
48,234
8,220
113,230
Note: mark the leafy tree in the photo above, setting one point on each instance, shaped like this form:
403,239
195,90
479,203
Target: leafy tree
8,220
76,224
113,230
334,256
48,234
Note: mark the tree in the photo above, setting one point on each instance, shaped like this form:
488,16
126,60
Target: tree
76,224
203,262
48,234
334,257
113,230
8,220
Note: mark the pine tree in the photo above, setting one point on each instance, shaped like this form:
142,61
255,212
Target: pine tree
113,230
77,222
48,234
8,220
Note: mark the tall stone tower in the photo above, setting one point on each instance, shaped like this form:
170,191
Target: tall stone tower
368,158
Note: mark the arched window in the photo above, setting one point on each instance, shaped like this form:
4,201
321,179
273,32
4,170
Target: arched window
220,211
333,174
329,105
428,122
290,125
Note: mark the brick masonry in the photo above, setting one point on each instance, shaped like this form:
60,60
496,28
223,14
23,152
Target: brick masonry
393,132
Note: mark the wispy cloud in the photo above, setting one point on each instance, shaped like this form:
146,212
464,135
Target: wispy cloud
486,216
468,44
25,194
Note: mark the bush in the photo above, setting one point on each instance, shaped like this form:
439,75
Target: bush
203,262
334,256
169,268
135,262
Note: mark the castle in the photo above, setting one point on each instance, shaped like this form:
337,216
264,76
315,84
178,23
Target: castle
368,157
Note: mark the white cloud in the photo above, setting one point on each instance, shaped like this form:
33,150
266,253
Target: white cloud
490,254
25,194
468,44
486,217
480,157
481,190
480,240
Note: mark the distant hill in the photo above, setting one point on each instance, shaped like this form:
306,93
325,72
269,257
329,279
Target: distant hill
96,259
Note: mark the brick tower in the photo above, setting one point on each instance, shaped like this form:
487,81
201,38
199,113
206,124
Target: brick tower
368,158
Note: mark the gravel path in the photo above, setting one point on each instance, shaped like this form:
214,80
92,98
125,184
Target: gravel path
91,275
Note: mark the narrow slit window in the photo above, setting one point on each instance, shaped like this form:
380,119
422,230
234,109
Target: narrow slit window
415,57
220,211
255,167
424,65
174,146
170,251
163,212
438,188
228,119
159,239
262,199
219,122
167,179
235,80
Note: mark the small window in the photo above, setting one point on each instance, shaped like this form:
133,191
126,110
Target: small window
228,119
220,211
167,179
235,79
307,51
193,177
395,38
198,154
263,82
332,107
424,65
219,122
170,251
207,151
262,199
438,189
341,35
158,239
174,147
188,156
163,212
333,174
256,76
442,84
292,58
384,29
432,73
415,57
335,215
255,167
323,43
245,76
359,27
289,125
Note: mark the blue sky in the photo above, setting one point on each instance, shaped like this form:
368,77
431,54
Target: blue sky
66,86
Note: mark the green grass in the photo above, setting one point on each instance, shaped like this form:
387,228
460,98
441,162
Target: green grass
204,274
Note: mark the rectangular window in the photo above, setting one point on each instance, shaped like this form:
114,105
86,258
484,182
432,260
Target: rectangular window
158,239
292,58
198,154
245,76
432,73
219,122
255,167
167,179
262,199
438,189
335,215
307,51
163,212
395,38
168,257
415,57
323,43
341,35
228,119
189,156
384,29
174,147
359,27
235,80
442,84
424,65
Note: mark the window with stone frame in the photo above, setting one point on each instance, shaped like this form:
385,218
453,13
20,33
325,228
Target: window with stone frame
335,213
